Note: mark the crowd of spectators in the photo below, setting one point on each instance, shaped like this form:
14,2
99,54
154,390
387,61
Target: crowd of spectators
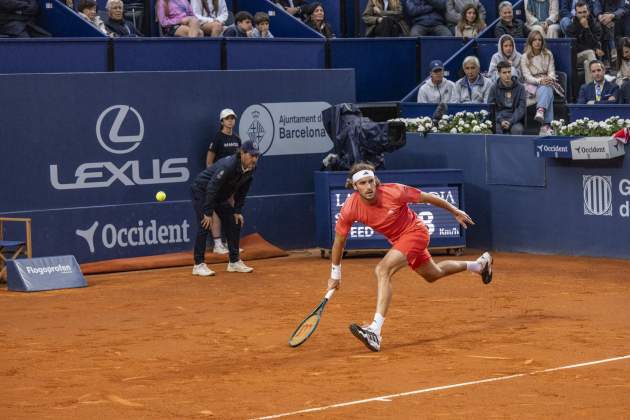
515,80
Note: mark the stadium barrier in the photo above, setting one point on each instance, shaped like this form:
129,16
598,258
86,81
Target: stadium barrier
277,53
597,112
166,54
385,68
61,21
94,198
414,110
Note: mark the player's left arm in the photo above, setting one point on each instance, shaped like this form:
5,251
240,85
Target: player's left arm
459,215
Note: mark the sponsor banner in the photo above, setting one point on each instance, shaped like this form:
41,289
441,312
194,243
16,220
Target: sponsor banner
581,148
554,147
286,128
596,148
48,273
605,195
440,223
87,168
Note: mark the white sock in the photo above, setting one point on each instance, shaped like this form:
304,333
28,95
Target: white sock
473,266
217,242
377,324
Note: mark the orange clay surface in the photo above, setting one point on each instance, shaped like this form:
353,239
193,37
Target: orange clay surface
164,344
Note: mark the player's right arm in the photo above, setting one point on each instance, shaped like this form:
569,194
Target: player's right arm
342,228
335,258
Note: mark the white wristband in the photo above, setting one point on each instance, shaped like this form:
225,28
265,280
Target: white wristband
335,272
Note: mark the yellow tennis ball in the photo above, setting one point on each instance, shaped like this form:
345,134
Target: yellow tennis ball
160,196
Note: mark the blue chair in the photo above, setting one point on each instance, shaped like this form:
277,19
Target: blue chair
12,249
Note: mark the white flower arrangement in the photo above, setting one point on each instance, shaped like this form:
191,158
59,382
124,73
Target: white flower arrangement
590,128
460,123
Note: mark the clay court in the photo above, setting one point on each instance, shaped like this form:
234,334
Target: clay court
164,344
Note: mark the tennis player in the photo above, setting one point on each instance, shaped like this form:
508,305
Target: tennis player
384,207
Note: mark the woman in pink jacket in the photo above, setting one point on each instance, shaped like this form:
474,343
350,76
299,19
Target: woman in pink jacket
177,18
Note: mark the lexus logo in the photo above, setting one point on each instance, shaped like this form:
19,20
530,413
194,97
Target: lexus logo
113,141
597,195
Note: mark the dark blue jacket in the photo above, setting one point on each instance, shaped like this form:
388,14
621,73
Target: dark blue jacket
425,12
619,8
587,93
566,7
222,180
498,95
233,31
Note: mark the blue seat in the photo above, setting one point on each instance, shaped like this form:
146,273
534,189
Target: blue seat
11,249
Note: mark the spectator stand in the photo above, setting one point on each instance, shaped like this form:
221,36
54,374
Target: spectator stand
598,112
438,48
54,55
281,24
385,68
519,13
452,64
61,21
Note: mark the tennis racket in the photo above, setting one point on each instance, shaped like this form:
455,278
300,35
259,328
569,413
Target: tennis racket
308,326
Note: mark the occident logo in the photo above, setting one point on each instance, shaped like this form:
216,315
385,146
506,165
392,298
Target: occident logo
130,173
553,149
140,234
118,143
597,192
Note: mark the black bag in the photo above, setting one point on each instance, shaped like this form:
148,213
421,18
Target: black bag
359,139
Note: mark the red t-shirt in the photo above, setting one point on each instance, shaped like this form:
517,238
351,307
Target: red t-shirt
389,215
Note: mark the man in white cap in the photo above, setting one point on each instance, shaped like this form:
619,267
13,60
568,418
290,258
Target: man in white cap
225,143
384,207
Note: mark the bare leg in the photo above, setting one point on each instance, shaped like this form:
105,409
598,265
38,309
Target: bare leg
393,261
432,271
216,226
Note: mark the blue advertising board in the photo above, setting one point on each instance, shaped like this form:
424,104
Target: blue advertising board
85,167
330,195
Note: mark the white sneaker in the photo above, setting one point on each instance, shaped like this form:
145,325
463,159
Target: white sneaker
239,267
486,267
220,249
202,270
368,337
540,115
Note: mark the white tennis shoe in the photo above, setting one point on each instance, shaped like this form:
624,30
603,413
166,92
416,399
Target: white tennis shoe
368,337
220,249
202,270
486,267
239,267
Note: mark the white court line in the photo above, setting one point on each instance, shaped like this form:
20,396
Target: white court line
440,388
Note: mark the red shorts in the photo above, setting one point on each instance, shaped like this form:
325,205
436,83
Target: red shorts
414,245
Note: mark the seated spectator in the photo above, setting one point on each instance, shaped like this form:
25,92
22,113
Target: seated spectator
242,26
427,18
510,100
455,11
293,7
116,24
436,89
87,10
588,37
506,52
16,17
539,73
316,20
615,14
473,88
509,25
600,90
384,20
471,24
543,15
177,18
567,11
261,20
211,15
